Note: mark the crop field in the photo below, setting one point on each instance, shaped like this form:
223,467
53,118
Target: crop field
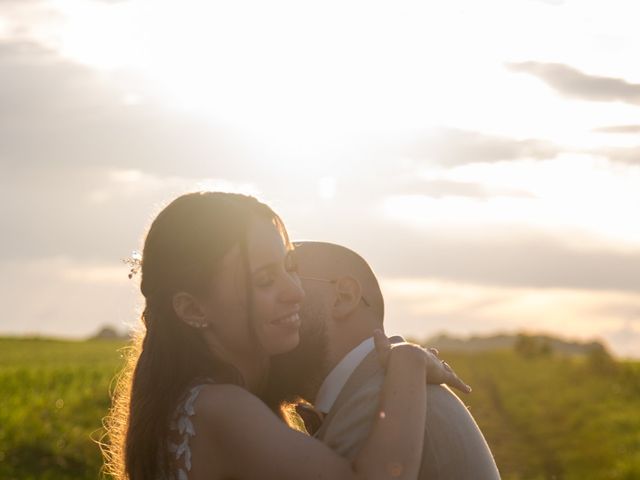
544,416
53,395
554,417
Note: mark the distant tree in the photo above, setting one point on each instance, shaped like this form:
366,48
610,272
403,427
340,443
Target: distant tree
600,360
524,345
108,332
529,346
544,348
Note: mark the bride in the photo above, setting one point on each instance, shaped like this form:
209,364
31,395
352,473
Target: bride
221,297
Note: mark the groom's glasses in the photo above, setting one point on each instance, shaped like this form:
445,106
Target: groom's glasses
333,282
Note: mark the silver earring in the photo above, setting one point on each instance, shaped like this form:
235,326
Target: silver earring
198,325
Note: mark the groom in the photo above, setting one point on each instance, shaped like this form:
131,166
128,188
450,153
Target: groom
336,367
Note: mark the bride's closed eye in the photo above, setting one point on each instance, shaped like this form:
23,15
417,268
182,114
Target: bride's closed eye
266,276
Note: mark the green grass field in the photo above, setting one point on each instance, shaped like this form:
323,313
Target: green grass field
545,416
556,418
53,395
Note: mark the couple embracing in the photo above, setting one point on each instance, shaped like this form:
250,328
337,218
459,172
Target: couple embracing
240,328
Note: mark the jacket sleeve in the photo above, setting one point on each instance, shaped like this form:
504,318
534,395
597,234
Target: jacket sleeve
348,427
454,446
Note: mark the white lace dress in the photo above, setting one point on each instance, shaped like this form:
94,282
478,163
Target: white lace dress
180,432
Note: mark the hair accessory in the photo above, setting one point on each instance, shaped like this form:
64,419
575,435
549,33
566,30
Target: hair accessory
135,262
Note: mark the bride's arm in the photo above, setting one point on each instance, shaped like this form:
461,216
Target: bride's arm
237,436
398,429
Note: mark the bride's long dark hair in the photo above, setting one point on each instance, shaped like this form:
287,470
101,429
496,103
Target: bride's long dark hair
182,251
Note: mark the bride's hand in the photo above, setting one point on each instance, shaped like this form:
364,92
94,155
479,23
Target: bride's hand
439,371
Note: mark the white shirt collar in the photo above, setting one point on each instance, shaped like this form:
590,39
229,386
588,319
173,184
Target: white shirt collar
335,381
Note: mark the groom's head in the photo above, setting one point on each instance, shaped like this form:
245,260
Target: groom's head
341,291
342,307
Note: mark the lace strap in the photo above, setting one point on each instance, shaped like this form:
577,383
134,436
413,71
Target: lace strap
182,424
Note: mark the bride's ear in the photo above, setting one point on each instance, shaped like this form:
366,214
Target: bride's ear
189,310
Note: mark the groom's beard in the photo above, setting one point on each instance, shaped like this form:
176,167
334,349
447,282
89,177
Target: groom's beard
300,372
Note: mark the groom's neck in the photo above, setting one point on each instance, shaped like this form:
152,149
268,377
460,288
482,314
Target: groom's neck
338,348
345,335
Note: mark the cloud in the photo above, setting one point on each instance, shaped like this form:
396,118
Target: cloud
627,155
555,3
626,338
88,213
573,83
452,147
53,111
421,307
447,188
65,297
132,185
618,129
509,258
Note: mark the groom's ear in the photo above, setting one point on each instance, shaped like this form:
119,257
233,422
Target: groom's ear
348,295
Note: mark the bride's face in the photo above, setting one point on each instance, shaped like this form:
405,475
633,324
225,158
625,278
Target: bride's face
277,295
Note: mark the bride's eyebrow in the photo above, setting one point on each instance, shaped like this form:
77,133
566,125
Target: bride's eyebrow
266,267
272,264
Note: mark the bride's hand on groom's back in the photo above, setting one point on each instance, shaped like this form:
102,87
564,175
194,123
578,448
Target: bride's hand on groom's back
438,371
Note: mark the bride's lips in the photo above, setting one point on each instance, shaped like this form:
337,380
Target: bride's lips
292,321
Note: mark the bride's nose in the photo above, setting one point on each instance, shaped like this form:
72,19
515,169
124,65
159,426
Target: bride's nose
292,291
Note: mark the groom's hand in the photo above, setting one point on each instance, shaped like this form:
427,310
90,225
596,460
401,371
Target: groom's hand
439,372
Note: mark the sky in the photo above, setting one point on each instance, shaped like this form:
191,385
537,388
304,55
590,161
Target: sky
484,157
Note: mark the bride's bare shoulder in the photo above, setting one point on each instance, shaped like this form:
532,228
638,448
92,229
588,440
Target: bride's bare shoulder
222,403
